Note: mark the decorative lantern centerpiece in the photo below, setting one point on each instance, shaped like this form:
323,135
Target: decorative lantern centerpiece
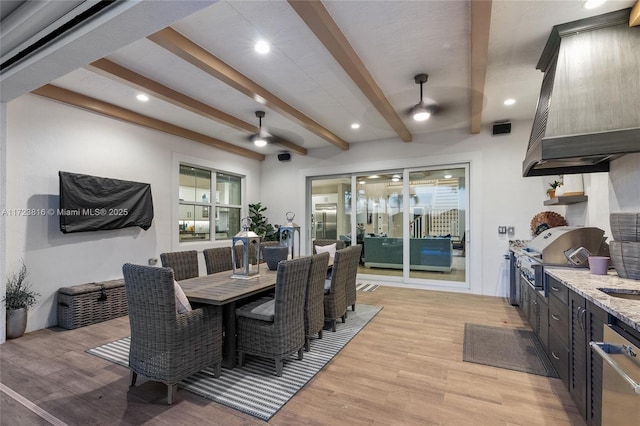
249,265
288,235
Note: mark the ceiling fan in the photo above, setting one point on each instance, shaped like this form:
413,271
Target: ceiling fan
262,138
422,110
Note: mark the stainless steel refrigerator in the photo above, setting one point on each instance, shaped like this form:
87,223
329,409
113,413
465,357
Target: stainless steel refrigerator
325,219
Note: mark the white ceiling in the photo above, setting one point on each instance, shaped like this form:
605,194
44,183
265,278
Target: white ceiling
394,39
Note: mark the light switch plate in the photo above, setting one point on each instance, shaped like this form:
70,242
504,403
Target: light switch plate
502,229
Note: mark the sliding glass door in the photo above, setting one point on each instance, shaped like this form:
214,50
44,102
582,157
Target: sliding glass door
437,212
411,223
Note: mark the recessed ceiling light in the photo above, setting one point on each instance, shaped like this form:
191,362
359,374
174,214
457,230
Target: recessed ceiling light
362,182
355,126
592,4
262,47
509,101
142,97
374,177
447,176
259,99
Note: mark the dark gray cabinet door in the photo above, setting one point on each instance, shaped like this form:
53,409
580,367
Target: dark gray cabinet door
578,350
596,320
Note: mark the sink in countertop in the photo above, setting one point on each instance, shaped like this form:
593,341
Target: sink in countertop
622,293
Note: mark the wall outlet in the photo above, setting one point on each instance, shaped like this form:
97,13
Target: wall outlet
153,261
502,230
511,230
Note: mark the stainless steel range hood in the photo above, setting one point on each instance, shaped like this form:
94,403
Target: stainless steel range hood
589,107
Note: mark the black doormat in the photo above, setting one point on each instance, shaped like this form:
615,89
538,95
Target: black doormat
508,348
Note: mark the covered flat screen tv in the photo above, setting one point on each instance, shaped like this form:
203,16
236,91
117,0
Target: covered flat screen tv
92,203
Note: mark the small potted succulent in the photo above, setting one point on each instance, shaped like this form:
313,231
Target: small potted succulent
552,190
19,297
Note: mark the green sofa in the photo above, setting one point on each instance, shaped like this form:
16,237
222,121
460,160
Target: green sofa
427,254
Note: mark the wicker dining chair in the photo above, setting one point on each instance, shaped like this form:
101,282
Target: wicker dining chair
350,286
167,346
314,300
335,302
274,328
218,259
183,263
339,244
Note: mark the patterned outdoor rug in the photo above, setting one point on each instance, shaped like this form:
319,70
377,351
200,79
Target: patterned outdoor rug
255,389
366,287
507,348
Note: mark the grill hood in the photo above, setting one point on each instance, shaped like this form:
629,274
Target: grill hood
588,111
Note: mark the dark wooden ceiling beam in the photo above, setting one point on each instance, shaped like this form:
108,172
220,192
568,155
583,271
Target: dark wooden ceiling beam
320,22
130,78
114,111
184,48
480,27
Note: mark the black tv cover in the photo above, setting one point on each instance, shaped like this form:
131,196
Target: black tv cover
92,203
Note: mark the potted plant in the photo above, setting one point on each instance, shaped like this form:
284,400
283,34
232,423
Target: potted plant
19,297
260,223
552,191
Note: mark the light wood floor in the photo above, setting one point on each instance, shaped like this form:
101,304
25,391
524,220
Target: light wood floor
404,368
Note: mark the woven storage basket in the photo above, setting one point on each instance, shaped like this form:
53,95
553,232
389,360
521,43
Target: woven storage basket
625,226
625,256
91,303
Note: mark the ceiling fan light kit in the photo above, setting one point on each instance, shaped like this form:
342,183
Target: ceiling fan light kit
421,112
258,139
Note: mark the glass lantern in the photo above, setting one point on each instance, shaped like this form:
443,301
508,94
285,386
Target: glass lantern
288,233
249,265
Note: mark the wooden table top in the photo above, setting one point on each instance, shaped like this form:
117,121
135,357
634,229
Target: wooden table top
220,288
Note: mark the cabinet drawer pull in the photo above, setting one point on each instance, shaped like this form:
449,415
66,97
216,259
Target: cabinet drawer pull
553,354
555,288
555,317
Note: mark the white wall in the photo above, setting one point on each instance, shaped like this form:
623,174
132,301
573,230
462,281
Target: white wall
3,206
45,137
499,193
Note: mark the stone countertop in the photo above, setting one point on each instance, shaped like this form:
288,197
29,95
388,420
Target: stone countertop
586,284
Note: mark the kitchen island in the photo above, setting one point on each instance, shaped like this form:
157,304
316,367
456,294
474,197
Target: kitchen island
587,285
585,308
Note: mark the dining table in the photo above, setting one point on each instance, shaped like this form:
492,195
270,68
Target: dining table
224,290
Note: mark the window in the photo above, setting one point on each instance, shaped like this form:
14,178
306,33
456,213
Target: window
198,209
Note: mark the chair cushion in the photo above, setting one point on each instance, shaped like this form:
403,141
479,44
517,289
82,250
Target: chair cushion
331,249
261,309
182,303
327,286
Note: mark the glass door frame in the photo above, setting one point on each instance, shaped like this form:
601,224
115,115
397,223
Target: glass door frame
405,279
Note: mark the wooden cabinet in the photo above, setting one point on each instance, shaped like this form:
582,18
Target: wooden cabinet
559,344
578,350
535,310
585,370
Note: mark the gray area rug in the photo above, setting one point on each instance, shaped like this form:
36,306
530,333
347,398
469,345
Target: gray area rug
507,348
255,389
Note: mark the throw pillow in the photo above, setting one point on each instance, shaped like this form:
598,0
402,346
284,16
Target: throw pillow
182,303
331,249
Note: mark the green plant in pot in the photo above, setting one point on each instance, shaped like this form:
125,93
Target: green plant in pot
260,223
19,297
552,190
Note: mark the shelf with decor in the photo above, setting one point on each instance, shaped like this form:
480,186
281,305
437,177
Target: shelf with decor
566,200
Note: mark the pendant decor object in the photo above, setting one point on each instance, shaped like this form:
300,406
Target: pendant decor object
249,265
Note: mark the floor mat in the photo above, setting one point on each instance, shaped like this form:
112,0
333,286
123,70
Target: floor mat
508,348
